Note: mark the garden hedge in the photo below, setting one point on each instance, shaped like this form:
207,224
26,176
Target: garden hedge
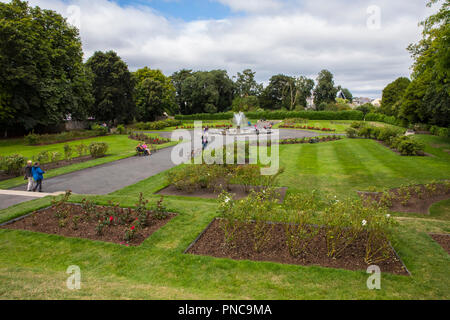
279,115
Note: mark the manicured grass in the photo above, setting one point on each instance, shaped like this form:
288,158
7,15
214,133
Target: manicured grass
120,147
441,210
346,166
339,125
33,266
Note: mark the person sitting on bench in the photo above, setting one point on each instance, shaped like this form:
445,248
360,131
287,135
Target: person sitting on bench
146,150
140,150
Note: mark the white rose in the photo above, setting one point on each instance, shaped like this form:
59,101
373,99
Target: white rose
364,222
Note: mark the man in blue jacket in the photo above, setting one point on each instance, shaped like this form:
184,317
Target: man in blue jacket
38,176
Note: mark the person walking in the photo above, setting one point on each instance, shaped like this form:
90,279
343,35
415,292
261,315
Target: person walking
38,176
29,175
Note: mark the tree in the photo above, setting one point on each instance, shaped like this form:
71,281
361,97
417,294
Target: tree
177,79
42,76
207,92
305,88
366,108
154,94
280,93
393,96
427,98
246,84
348,95
113,88
244,104
325,92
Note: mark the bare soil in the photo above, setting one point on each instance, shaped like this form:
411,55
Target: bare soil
212,243
45,221
419,202
443,240
237,191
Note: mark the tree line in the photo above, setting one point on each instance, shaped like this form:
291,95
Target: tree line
45,81
425,98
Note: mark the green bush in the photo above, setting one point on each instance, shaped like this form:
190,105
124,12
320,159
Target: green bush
42,157
98,149
367,132
385,134
99,130
407,146
32,139
13,164
121,129
157,125
280,115
67,151
351,132
441,132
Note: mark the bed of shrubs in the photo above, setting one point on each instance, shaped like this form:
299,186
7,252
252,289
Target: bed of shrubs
157,125
14,164
392,137
279,115
34,139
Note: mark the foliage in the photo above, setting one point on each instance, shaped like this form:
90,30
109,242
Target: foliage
157,125
245,104
68,152
44,139
154,95
325,90
113,88
351,132
407,146
13,164
42,78
98,149
121,129
393,96
99,130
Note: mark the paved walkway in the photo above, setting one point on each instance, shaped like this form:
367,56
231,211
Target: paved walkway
9,197
116,175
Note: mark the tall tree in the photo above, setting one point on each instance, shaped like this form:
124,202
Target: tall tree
207,92
178,79
113,87
428,96
325,92
42,76
393,96
280,93
154,94
305,88
246,84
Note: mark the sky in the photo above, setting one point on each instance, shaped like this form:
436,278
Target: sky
362,42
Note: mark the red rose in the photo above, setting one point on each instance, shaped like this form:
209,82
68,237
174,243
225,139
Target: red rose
132,228
111,219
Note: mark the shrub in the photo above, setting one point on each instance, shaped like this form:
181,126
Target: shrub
14,164
367,132
42,157
351,132
121,129
68,151
98,149
82,149
32,139
99,130
408,147
385,134
54,156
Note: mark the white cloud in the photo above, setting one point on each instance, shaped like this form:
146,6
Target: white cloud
293,37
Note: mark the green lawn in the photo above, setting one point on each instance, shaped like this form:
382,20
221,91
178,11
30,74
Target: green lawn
120,147
33,265
339,125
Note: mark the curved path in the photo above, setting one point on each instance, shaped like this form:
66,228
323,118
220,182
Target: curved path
116,175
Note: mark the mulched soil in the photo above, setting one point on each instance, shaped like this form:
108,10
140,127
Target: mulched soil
443,240
51,166
416,204
237,191
45,221
211,243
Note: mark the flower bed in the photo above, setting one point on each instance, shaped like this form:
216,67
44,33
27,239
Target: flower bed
148,140
443,240
411,199
347,235
111,223
293,126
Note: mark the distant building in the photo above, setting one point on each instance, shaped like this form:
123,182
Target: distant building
359,101
376,102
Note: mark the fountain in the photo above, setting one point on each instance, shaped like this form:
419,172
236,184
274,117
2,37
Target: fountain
241,127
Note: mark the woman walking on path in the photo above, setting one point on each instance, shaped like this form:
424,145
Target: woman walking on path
29,176
38,175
